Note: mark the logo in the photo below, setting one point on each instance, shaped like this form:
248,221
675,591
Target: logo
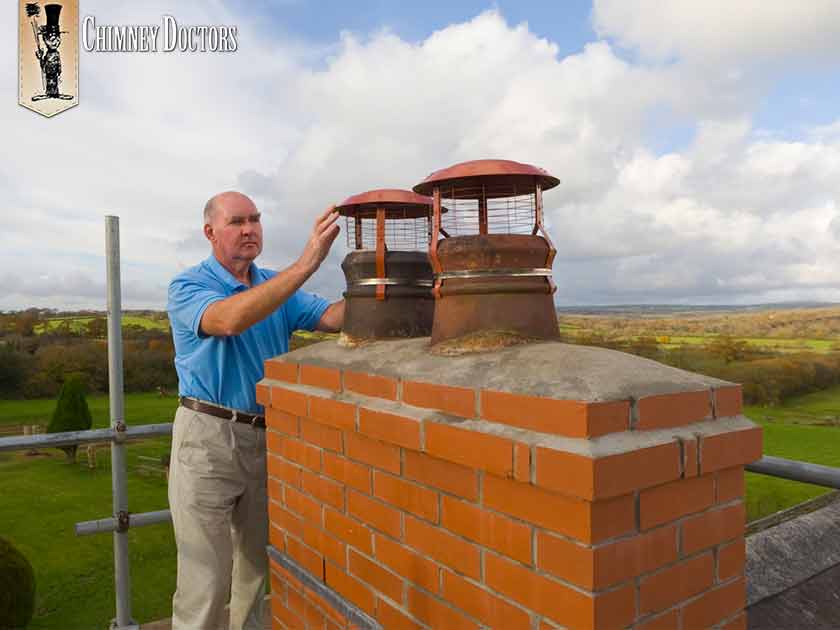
48,54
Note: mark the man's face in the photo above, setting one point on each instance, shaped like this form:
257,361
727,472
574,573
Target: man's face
235,231
52,40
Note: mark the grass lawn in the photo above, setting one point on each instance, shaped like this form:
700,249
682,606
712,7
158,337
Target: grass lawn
44,497
805,428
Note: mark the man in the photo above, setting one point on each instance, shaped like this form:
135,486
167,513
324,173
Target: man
227,317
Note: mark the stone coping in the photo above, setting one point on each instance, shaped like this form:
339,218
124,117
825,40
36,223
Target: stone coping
547,369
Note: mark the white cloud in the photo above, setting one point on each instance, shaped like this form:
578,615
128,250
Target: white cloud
712,31
732,216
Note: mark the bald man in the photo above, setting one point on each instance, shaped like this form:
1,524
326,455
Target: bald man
227,317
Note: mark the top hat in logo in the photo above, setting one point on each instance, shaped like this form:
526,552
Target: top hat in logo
49,56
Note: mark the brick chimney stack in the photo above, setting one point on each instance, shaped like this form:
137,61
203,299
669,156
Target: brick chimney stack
540,487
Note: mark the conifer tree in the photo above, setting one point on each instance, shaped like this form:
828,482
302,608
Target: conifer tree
71,412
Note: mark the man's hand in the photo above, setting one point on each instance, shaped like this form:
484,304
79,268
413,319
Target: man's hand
320,241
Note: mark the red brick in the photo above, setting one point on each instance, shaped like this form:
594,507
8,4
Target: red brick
321,377
371,385
302,505
731,559
712,528
394,618
374,513
610,476
668,621
561,603
347,472
288,400
673,410
380,579
263,395
323,489
715,606
336,413
285,520
730,484
728,401
406,496
441,474
585,521
325,544
349,530
436,614
389,427
300,453
324,606
351,588
281,469
458,401
470,448
306,557
372,452
282,613
402,560
281,421
674,584
488,529
488,608
572,418
281,370
443,547
727,450
321,435
671,501
612,563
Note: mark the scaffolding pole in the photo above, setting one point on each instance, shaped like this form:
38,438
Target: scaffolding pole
122,576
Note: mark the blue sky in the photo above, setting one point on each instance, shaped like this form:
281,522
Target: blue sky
698,164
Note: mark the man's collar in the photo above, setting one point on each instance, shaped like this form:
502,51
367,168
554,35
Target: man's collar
227,277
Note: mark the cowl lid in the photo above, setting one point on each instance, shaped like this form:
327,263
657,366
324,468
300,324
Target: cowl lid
490,173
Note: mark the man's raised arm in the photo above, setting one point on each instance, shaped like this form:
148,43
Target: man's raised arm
235,314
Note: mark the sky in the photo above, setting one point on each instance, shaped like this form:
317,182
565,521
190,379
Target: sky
697,143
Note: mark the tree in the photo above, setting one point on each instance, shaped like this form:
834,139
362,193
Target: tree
17,587
71,412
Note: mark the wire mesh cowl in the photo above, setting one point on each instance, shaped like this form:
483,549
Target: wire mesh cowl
389,277
493,263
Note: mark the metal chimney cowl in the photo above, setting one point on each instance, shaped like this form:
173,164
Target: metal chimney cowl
492,265
389,278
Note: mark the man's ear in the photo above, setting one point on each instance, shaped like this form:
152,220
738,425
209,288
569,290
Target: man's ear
208,232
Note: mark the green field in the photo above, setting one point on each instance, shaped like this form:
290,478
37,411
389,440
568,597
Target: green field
75,575
79,324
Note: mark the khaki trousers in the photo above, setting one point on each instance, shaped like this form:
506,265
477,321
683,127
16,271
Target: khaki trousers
217,495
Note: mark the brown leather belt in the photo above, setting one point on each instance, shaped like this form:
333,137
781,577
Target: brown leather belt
221,412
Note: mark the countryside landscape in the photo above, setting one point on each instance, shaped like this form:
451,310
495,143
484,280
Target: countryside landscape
786,356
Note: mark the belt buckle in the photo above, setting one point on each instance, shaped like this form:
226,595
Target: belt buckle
254,421
234,416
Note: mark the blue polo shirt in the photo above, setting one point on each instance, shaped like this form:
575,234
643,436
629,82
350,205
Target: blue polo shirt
225,370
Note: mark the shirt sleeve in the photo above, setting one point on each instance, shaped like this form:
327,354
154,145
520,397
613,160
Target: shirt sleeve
304,310
188,299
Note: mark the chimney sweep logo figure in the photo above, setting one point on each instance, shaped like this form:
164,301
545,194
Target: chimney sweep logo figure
50,59
51,92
